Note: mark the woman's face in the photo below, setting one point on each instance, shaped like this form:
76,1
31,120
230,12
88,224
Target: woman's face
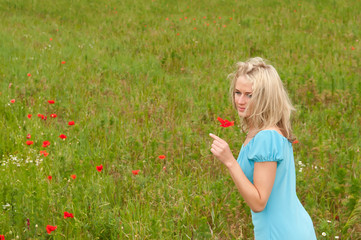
242,95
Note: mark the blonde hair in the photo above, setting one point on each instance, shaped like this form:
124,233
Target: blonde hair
269,105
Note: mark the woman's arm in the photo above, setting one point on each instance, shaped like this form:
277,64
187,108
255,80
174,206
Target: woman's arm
256,195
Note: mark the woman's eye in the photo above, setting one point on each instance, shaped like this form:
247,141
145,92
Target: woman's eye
237,93
249,95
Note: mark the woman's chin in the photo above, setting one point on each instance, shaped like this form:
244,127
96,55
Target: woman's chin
242,114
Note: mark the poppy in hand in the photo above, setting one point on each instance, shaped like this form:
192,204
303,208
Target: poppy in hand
225,123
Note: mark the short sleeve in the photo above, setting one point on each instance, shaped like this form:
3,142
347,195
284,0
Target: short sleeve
266,147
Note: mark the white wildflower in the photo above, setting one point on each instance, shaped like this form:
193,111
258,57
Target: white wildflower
7,205
300,163
324,234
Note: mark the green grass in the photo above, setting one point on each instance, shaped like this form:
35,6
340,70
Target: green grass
138,86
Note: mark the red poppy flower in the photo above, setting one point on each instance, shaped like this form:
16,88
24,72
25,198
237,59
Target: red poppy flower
71,123
28,136
100,168
42,116
50,228
164,168
50,39
161,156
29,142
73,176
135,172
295,141
29,116
63,62
53,115
2,237
50,177
352,48
62,136
43,152
12,100
29,74
51,101
68,215
225,123
46,143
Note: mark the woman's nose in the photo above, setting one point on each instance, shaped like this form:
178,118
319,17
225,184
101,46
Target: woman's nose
241,99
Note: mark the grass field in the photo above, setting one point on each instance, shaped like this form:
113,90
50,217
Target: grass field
142,79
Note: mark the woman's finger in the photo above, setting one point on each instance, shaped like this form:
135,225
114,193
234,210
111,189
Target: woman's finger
215,147
217,143
216,137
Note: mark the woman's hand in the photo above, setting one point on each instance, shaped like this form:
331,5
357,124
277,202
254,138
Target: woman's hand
221,150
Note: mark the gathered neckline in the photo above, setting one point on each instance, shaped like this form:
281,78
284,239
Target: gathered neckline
243,146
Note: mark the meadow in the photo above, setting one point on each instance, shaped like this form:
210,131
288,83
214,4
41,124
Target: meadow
138,85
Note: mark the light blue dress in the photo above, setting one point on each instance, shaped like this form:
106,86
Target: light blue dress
284,217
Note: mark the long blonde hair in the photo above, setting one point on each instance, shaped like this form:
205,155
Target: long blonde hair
269,105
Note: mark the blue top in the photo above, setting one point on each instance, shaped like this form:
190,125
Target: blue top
284,217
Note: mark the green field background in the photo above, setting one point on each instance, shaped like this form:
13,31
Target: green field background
147,78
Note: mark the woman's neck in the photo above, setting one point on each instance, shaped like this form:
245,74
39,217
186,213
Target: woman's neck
251,132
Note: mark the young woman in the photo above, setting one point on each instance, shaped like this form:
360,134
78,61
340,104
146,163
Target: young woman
264,171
